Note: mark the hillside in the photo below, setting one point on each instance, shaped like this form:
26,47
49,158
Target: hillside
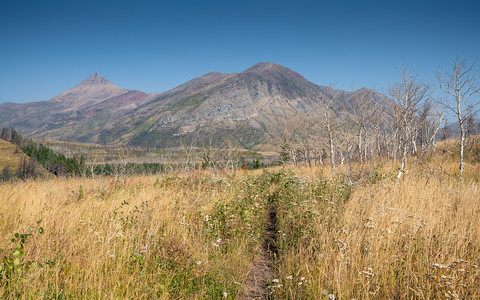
11,159
9,156
247,108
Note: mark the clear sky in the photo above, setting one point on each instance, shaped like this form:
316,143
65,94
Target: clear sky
47,47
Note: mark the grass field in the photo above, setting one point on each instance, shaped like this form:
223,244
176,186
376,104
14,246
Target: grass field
200,235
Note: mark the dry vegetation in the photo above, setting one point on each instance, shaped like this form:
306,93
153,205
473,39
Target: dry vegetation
148,238
9,156
196,235
417,238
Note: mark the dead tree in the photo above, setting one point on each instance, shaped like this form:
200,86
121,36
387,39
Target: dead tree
187,154
429,128
231,157
460,84
361,111
408,95
297,139
329,121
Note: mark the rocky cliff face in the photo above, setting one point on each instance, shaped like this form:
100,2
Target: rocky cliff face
245,108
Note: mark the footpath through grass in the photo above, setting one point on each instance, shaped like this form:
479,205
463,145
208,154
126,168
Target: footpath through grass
196,236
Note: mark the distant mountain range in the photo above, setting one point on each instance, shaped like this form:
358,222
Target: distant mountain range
246,108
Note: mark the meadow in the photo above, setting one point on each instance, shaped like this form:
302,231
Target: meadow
201,234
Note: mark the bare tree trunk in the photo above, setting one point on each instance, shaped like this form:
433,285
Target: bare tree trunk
332,149
360,148
462,137
404,161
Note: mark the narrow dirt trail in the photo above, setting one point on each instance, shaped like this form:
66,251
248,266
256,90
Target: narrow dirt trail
261,273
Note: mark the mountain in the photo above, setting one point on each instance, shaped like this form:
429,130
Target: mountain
246,107
74,114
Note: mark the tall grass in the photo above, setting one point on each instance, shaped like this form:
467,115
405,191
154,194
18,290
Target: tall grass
195,235
418,238
170,237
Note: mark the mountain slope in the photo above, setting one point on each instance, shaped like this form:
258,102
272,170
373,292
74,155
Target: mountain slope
246,108
73,115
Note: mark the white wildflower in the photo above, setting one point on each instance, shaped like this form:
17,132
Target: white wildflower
440,266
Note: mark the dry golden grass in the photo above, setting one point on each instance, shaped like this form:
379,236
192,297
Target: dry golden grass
8,157
400,236
152,237
384,239
195,235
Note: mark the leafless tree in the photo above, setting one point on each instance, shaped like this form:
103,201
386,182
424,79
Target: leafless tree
471,131
329,121
408,94
361,111
91,168
461,86
210,156
187,154
431,127
28,168
231,157
298,138
446,131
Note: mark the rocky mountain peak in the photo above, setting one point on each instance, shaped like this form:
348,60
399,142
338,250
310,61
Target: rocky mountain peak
95,79
262,67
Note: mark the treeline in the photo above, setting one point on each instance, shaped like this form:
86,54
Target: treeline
55,163
12,136
41,155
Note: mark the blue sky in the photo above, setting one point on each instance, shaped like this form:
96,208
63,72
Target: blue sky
48,47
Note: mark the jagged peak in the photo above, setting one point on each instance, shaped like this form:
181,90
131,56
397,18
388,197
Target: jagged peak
95,79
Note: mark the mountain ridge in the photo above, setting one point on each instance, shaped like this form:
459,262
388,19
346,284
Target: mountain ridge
244,107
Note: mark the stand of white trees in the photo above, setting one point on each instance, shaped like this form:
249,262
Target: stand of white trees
366,129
